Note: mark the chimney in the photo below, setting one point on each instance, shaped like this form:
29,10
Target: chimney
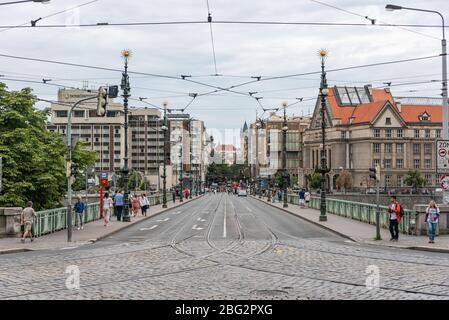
399,105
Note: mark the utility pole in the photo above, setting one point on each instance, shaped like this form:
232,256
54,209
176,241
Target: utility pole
374,173
164,176
285,174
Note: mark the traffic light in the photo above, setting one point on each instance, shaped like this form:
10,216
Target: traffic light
102,102
374,173
74,169
113,92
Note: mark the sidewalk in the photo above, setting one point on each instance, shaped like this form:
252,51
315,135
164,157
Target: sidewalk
363,232
92,232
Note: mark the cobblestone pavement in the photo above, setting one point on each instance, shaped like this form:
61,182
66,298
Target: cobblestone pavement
224,247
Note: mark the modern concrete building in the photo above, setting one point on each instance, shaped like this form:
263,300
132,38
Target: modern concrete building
368,126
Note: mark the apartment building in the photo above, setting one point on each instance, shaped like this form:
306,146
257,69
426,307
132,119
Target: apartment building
368,127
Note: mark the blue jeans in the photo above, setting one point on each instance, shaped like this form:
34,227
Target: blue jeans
431,229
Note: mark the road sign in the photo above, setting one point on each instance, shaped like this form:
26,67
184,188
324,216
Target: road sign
442,156
444,181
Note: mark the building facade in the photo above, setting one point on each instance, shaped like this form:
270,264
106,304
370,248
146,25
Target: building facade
366,127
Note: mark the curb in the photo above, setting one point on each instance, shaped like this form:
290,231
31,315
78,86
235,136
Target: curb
416,248
310,221
137,222
90,241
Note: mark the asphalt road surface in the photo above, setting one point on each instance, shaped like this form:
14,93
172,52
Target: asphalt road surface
225,247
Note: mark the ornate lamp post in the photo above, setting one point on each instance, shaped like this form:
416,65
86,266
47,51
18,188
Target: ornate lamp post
181,196
324,170
164,176
269,190
125,86
285,174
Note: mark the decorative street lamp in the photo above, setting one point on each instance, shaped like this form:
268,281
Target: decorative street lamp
164,176
285,174
391,7
324,170
125,86
269,190
181,196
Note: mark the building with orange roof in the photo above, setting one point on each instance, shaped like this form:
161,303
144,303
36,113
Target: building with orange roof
368,126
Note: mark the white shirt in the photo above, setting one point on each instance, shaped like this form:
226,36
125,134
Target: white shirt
107,203
143,201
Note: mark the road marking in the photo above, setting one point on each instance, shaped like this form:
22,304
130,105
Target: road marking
68,248
178,212
195,227
201,220
145,229
224,221
249,209
166,219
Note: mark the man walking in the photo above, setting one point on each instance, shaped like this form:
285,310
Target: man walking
79,210
301,195
118,204
27,220
394,210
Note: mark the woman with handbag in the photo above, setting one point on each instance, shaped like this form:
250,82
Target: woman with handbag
432,216
144,204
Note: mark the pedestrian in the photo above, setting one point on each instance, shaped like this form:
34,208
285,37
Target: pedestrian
144,204
302,197
107,207
174,196
118,204
432,217
307,197
135,205
79,207
27,219
394,210
280,196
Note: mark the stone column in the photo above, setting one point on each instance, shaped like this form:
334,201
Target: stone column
10,222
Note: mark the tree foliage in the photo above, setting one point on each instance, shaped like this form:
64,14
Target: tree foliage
314,180
221,173
414,179
344,180
33,158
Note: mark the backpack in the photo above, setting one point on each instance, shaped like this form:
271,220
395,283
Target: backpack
401,211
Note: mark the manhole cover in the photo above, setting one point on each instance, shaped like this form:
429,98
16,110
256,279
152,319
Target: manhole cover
268,292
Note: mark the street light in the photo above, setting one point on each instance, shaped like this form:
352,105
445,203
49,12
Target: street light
125,86
164,177
285,173
324,170
392,7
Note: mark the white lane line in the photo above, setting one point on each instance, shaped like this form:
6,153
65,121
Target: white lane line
166,219
195,227
68,248
224,221
249,209
200,220
145,229
178,212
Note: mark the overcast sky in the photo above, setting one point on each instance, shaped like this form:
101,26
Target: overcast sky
242,51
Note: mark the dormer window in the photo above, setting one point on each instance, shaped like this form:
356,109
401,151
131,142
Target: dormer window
424,117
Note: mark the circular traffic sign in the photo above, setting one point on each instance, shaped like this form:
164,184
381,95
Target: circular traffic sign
445,182
442,152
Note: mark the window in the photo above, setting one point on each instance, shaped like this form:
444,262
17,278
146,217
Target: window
376,133
416,163
388,180
387,163
427,164
376,147
399,163
400,181
416,148
376,162
428,178
400,133
388,147
438,133
388,133
416,133
343,134
428,148
427,133
399,148
61,114
388,121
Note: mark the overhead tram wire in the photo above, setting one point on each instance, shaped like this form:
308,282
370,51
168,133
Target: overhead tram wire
209,19
373,21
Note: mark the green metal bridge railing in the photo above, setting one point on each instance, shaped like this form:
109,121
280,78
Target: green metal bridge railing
364,212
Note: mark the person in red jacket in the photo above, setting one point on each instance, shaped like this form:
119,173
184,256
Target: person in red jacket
393,210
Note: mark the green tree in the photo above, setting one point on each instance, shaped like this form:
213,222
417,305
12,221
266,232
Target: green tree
33,158
84,159
414,179
344,180
314,180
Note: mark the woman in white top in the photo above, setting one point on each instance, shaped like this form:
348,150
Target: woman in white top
144,204
432,216
107,206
